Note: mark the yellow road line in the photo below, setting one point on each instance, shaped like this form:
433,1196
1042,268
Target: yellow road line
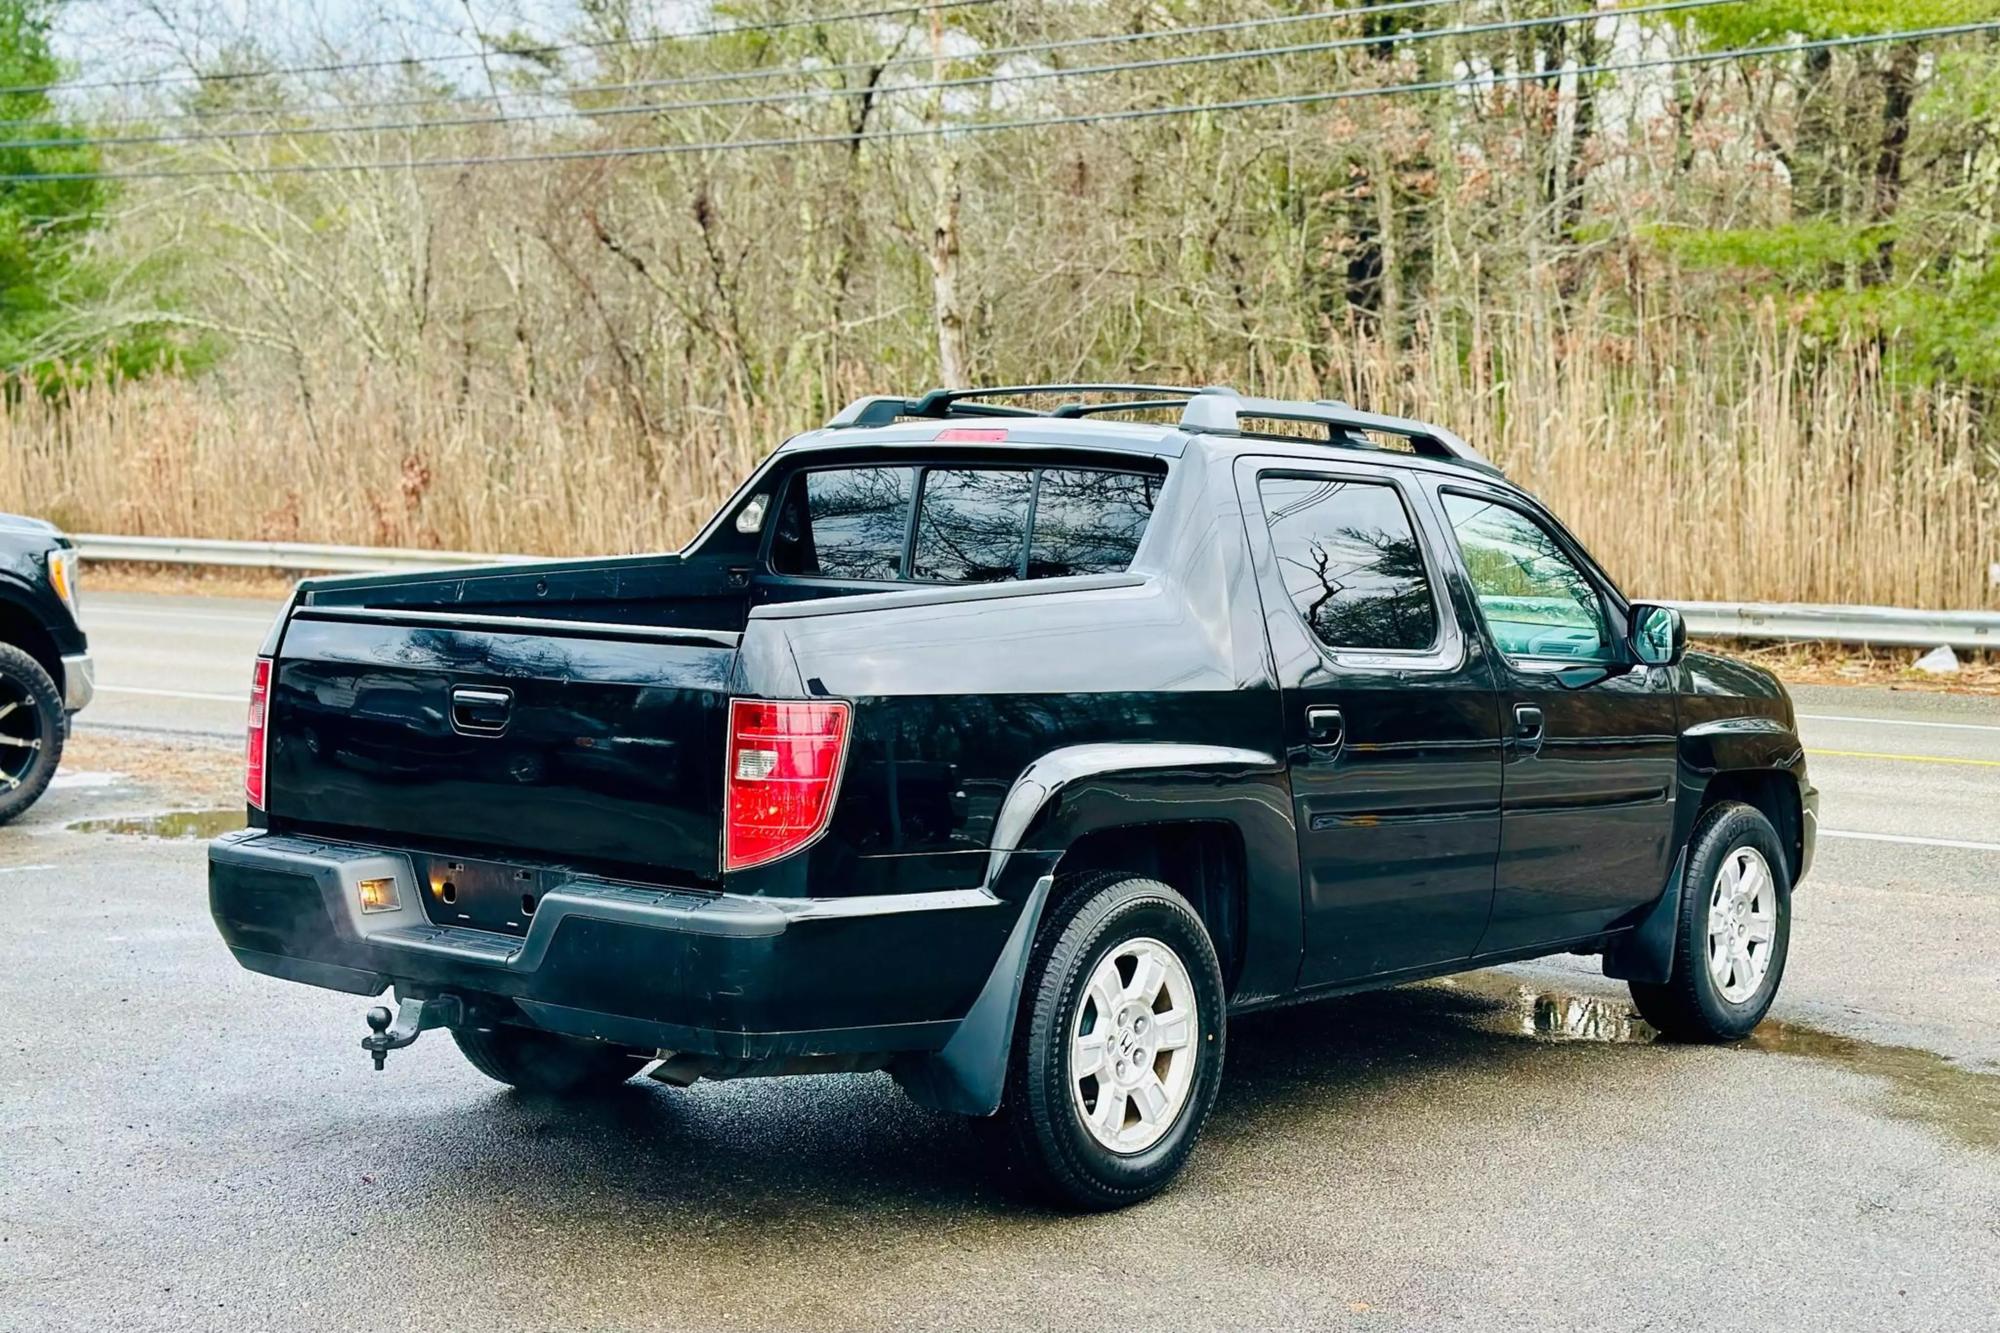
1907,758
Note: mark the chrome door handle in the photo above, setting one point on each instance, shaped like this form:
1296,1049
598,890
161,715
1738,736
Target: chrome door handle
1326,729
1528,729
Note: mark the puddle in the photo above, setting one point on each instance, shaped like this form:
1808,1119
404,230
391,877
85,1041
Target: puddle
171,824
1524,1011
1922,1086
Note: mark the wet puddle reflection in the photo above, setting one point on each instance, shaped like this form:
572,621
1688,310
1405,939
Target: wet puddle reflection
170,824
1923,1086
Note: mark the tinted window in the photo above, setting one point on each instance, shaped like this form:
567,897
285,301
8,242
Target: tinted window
846,523
1351,562
973,525
1089,522
1537,602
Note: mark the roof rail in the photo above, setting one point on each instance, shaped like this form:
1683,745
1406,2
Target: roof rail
882,409
1221,411
1216,410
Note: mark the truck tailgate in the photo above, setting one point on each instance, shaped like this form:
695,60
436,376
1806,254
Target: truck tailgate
596,745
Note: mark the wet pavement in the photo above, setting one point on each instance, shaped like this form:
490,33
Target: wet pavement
191,1146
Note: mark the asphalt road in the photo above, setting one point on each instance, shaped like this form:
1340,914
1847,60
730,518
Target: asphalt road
190,1146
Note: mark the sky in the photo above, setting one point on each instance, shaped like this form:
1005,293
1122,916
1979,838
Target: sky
140,38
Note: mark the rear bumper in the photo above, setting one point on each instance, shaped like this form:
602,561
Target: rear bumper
710,974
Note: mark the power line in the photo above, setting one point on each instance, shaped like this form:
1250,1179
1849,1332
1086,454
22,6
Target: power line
600,43
1471,83
810,71
814,94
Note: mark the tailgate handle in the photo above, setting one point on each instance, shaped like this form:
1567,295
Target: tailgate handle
480,712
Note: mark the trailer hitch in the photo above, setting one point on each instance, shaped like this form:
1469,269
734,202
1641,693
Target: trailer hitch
411,1017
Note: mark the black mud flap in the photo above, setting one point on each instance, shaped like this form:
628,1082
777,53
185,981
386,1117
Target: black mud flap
1646,952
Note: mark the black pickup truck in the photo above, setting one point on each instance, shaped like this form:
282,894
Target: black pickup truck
45,667
1013,749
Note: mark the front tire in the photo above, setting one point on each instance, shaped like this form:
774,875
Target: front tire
32,731
1735,931
545,1062
1118,1048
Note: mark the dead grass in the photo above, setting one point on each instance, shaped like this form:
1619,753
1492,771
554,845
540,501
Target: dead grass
187,581
1844,664
184,774
1693,469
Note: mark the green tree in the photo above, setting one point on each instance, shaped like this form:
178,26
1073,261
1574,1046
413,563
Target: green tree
51,329
1893,154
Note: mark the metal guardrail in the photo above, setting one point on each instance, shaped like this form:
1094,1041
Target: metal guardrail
1885,626
302,557
1882,626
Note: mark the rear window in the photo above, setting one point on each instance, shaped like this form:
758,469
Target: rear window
968,525
971,526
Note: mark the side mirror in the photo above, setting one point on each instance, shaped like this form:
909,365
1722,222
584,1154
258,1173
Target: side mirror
1658,635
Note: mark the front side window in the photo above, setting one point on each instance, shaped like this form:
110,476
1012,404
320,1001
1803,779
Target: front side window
973,524
1536,600
1351,562
845,523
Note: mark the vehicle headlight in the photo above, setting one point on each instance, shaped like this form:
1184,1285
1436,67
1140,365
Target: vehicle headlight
62,575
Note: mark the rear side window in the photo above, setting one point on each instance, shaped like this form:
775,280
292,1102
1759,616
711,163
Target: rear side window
1351,561
972,524
845,523
1089,522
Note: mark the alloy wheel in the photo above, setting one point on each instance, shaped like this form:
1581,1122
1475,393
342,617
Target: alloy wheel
1742,924
20,734
1132,1045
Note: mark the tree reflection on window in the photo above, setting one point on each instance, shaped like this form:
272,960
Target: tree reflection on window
1351,562
972,525
1089,522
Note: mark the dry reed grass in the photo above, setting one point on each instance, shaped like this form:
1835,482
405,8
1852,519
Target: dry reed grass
1753,470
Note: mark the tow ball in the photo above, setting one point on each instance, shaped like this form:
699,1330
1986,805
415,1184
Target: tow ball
388,1032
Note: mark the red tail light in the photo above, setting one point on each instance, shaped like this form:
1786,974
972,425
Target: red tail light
254,747
784,768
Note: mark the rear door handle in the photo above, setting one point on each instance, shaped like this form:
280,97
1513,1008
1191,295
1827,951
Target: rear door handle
1528,730
480,712
1326,729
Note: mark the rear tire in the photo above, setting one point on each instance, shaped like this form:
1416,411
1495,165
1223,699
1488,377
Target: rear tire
1735,931
1123,982
545,1062
32,731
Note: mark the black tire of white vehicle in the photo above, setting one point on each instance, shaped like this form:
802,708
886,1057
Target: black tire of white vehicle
1042,1118
1690,1005
547,1062
32,731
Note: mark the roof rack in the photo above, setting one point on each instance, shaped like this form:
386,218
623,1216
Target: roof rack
882,409
1222,411
1216,410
